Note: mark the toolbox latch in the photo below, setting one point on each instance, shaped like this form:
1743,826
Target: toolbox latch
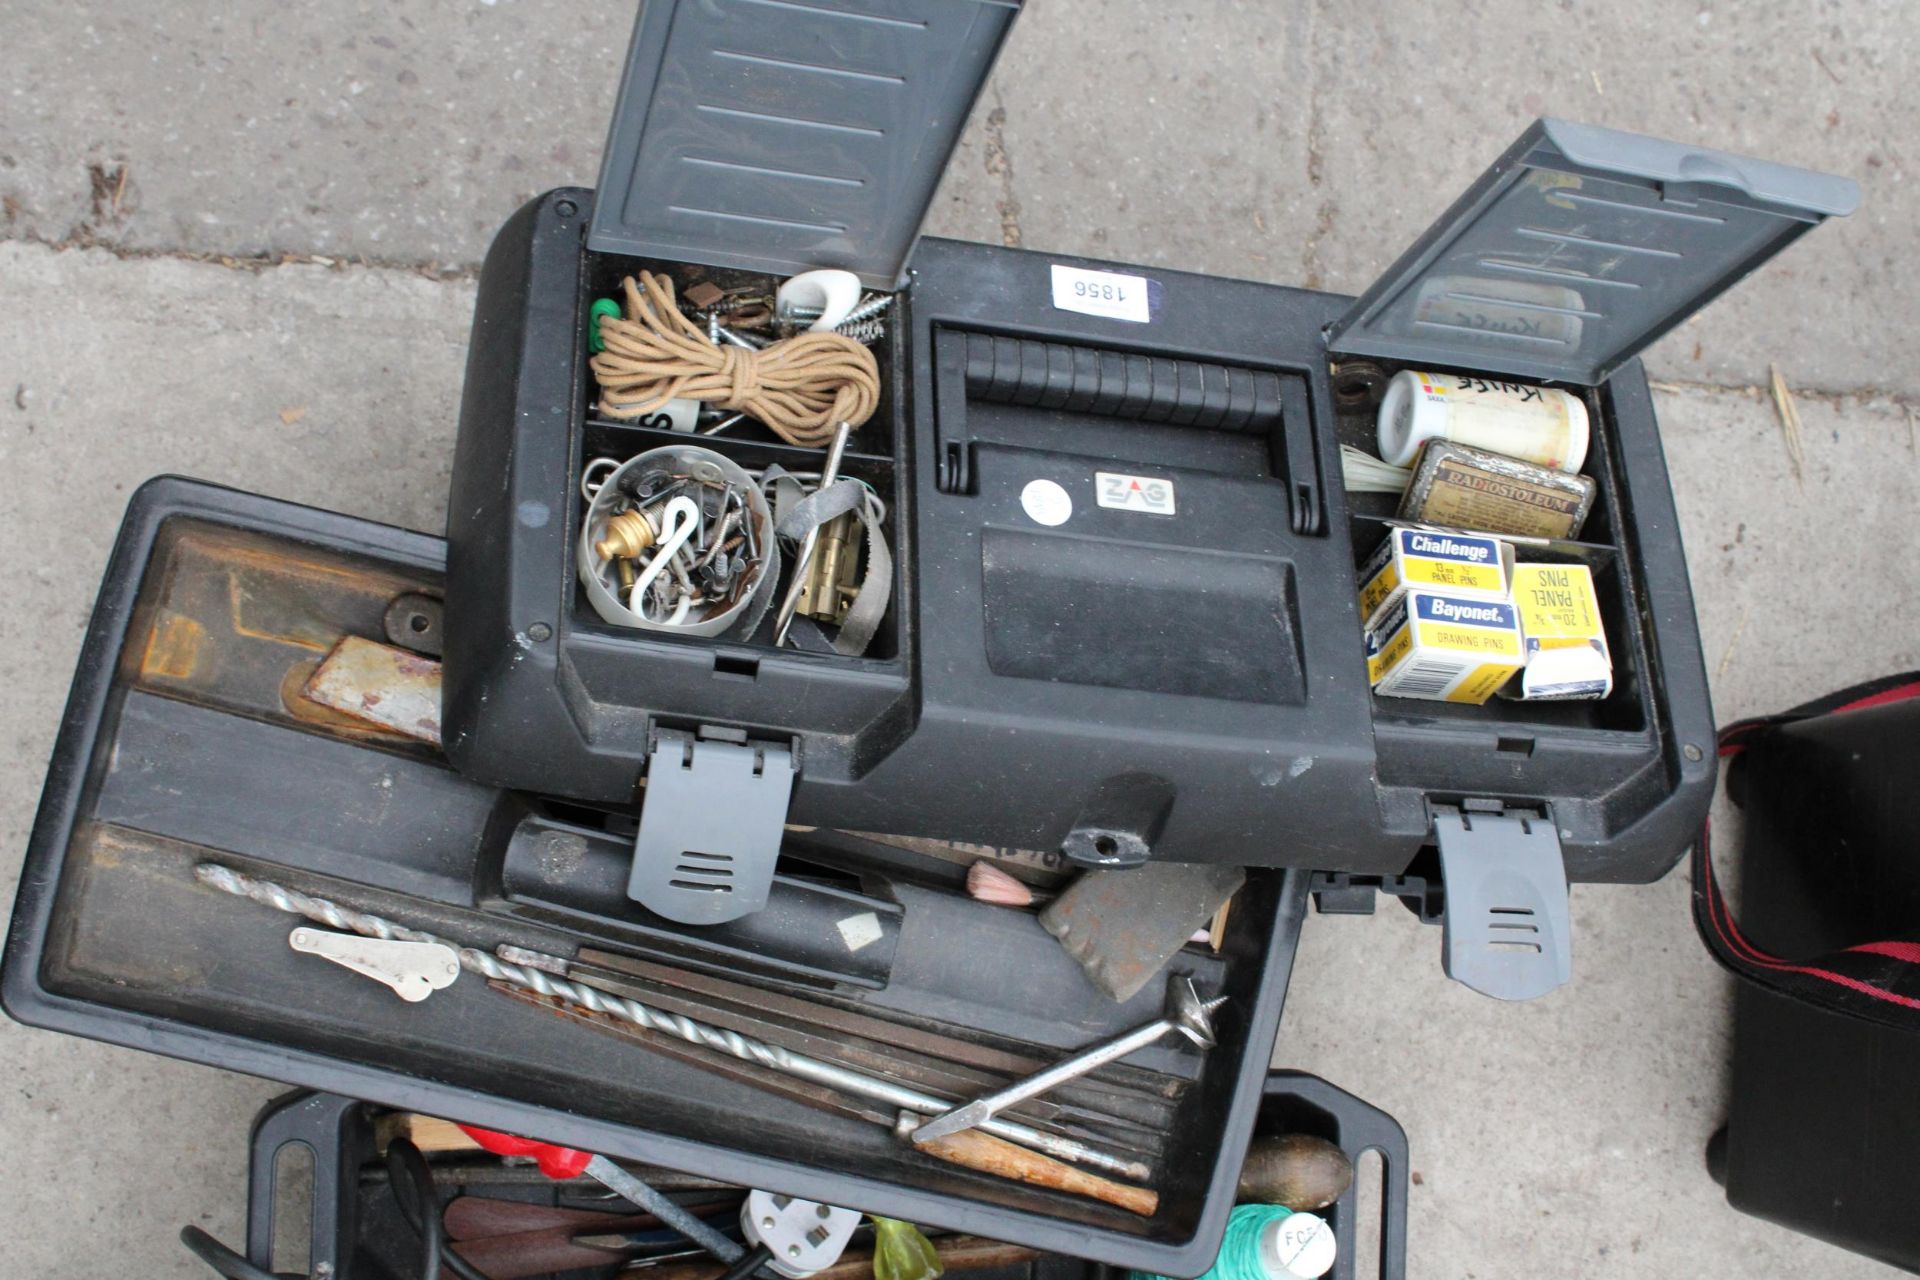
710,828
1506,932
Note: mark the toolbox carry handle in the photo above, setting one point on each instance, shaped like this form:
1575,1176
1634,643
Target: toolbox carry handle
1358,1127
335,1134
1126,386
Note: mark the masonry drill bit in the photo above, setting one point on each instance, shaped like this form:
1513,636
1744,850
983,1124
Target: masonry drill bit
322,911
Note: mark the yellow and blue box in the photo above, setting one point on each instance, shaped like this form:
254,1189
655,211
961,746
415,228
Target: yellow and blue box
1566,644
1463,565
1445,648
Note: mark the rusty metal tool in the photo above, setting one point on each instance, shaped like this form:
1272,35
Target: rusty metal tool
983,1151
389,687
320,910
1186,1013
1123,925
980,1152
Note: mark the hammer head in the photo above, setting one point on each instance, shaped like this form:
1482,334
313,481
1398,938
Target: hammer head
1191,1016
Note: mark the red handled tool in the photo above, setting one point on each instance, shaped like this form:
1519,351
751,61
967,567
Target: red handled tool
793,1238
561,1163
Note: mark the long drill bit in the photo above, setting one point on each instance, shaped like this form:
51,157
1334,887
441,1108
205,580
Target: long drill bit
487,965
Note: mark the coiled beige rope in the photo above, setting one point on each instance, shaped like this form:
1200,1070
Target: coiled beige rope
801,387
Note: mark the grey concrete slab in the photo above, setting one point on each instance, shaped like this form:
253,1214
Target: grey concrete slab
112,1151
400,132
1563,1137
1298,143
336,388
1412,102
1169,135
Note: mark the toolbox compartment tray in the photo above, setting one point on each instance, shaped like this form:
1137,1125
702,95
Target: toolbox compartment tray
354,1230
185,740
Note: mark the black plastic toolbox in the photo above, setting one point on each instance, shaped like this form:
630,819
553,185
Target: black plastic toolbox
1185,683
186,740
353,1229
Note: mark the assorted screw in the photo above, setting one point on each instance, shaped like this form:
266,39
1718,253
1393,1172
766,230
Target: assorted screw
863,324
678,545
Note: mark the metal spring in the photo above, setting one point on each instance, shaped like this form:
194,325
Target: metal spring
487,965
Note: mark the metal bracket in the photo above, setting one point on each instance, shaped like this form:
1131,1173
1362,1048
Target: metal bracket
1507,932
414,970
711,827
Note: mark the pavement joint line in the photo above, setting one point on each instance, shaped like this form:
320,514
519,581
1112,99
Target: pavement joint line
250,262
1310,273
1837,398
999,163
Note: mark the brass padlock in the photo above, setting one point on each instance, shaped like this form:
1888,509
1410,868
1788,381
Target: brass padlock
833,575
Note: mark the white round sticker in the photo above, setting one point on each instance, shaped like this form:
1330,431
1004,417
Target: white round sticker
1046,502
1305,1246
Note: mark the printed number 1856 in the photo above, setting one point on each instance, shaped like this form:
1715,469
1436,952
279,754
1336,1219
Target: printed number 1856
1102,293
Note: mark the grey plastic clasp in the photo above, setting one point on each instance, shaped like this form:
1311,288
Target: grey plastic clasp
1507,932
710,829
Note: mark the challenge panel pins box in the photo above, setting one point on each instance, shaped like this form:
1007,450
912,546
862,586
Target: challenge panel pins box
1464,565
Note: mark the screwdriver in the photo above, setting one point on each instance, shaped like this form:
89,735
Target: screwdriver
561,1163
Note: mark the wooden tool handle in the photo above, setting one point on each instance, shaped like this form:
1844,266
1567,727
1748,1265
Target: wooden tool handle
429,1133
1003,1159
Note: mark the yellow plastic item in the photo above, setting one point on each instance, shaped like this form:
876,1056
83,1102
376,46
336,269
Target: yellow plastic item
901,1252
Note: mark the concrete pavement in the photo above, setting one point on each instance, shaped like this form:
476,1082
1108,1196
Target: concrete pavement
1290,142
1298,143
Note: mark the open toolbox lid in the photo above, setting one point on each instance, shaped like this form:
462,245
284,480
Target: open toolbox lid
780,136
1578,248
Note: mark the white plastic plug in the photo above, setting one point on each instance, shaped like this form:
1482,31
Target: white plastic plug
1299,1246
804,1236
836,293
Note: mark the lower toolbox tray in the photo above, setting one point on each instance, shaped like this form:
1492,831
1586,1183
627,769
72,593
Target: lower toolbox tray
187,740
352,1228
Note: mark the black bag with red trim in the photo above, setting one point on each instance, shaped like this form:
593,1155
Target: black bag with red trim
1830,877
